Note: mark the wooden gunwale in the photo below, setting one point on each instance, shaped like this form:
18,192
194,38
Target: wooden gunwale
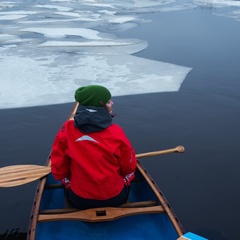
162,200
35,209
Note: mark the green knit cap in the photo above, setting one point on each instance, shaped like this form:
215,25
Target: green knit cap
92,95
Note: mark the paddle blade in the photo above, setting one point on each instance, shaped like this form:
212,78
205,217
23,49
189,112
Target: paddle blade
16,175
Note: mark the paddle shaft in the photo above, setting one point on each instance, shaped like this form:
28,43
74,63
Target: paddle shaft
156,153
20,174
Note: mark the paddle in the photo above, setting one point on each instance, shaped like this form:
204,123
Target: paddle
156,153
16,175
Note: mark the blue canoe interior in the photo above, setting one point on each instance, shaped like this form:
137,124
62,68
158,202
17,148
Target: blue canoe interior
143,217
146,215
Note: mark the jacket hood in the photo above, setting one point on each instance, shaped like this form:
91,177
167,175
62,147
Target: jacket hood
92,119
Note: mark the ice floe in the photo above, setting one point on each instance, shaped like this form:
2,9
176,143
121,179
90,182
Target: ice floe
48,48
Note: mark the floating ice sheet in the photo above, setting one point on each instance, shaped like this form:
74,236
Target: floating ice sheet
49,48
52,78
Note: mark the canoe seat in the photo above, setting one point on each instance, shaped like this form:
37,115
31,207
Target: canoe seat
128,204
96,214
125,205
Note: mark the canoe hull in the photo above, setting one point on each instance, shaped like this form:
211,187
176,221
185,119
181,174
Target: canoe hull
133,227
140,226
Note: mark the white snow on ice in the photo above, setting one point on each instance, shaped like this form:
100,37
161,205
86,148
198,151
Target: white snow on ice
48,48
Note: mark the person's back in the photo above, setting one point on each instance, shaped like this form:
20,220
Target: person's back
94,154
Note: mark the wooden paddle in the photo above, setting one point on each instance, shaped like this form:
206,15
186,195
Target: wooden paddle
20,174
16,175
156,153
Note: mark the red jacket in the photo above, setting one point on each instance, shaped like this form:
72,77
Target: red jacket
95,163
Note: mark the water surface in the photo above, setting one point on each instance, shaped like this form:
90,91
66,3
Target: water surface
201,184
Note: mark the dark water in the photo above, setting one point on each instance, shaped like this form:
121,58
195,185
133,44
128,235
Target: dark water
201,184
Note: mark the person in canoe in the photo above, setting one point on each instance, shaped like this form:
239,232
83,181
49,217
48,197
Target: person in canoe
91,156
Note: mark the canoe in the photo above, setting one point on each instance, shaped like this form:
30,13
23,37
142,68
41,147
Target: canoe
146,215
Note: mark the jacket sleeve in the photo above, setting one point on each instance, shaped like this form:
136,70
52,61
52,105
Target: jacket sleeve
59,158
126,157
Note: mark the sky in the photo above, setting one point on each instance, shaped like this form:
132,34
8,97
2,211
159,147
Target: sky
49,48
